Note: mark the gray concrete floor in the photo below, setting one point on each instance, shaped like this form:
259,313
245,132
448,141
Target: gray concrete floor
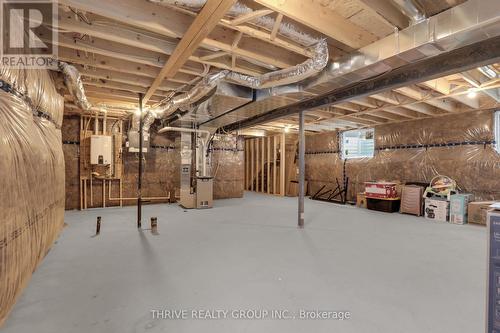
394,273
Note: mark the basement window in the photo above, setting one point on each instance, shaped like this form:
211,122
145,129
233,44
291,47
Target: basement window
496,123
357,143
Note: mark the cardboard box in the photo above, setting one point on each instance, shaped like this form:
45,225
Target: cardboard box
458,208
361,200
381,190
437,209
411,200
477,211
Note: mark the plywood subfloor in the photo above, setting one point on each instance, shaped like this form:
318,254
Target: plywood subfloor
395,273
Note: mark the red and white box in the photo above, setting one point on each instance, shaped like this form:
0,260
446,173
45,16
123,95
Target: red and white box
381,190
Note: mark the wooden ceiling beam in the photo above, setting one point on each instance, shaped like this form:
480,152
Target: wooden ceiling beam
110,94
394,98
250,16
203,24
214,55
107,40
99,61
119,51
387,12
365,102
442,86
477,79
122,86
276,26
150,17
106,75
418,94
314,15
261,35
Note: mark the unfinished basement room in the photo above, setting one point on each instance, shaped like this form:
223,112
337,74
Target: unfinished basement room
251,166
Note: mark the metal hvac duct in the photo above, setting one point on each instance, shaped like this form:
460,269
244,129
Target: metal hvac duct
285,76
410,9
472,21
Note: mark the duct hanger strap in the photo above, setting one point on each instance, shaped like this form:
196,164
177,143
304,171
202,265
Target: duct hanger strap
8,88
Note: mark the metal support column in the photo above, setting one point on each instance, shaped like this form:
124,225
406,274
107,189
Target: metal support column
139,178
302,167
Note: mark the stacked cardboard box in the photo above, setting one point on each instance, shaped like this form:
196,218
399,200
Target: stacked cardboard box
381,190
478,211
361,200
458,208
411,200
437,209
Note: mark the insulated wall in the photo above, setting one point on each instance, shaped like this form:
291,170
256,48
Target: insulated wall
31,177
228,166
458,146
161,173
161,169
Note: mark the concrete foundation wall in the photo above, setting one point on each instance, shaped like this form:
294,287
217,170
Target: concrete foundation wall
476,168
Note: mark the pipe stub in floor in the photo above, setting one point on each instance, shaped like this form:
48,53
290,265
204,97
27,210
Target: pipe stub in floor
154,226
98,226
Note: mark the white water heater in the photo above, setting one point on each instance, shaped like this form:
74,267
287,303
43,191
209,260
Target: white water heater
100,150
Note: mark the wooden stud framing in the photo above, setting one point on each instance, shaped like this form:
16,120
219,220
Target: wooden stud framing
275,156
282,163
252,162
247,160
262,164
257,164
268,160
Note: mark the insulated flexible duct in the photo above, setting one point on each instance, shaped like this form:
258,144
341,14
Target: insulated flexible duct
73,82
201,89
308,68
285,76
286,29
290,75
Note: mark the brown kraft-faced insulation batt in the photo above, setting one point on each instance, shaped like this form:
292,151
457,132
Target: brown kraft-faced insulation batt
31,177
458,146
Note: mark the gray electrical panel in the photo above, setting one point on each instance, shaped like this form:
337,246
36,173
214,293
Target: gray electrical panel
493,310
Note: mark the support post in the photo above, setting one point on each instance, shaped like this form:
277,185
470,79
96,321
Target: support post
139,178
302,167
